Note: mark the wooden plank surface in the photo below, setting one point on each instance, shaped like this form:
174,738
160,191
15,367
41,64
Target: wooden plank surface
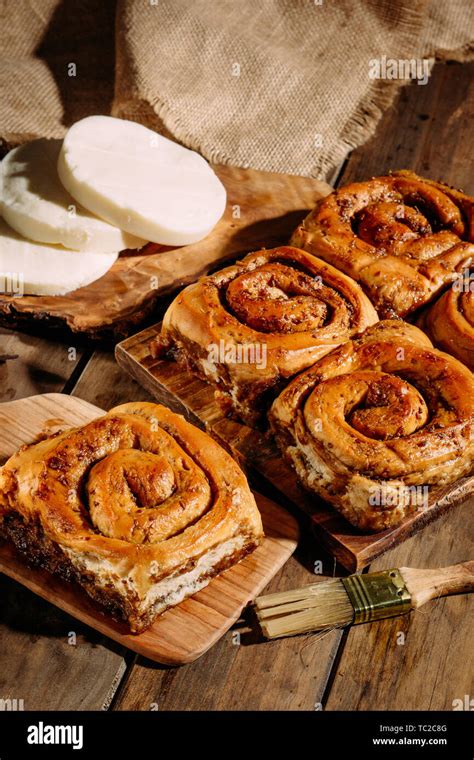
36,365
428,129
243,672
421,661
104,384
262,209
50,660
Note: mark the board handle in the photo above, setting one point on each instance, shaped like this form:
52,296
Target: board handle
425,585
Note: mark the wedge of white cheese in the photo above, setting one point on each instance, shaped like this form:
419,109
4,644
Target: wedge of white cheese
40,269
36,204
140,181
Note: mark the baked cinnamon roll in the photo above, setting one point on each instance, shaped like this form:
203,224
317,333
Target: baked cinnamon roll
401,236
139,507
251,326
375,424
449,322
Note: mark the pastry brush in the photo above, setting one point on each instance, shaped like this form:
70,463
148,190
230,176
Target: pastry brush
358,599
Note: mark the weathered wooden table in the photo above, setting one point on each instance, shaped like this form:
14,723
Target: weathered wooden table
419,662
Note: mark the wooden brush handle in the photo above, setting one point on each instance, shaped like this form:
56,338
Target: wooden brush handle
424,585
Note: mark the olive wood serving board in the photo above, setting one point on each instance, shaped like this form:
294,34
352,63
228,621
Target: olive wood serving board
182,392
182,633
262,209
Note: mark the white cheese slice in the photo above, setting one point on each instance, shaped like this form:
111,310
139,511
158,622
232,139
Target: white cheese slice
35,204
40,269
140,181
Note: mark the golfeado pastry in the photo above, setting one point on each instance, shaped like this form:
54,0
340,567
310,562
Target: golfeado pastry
373,426
401,236
139,507
251,326
449,322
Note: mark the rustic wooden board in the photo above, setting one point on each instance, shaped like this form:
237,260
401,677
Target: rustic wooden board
239,672
181,391
184,632
262,210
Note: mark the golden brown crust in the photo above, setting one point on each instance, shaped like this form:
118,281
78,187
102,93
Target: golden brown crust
449,322
401,236
129,505
373,425
253,325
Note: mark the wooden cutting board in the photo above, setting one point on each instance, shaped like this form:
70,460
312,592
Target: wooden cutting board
183,633
182,392
262,210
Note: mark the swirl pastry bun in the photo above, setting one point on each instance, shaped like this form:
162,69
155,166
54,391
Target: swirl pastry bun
401,236
251,326
449,322
140,507
372,426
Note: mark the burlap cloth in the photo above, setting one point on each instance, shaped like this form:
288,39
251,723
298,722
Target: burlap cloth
281,85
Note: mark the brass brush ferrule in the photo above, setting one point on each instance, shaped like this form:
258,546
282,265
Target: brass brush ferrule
377,595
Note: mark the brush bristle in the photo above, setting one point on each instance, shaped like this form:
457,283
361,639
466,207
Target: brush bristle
313,608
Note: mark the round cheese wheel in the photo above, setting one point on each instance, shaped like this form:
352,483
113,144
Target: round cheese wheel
139,181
